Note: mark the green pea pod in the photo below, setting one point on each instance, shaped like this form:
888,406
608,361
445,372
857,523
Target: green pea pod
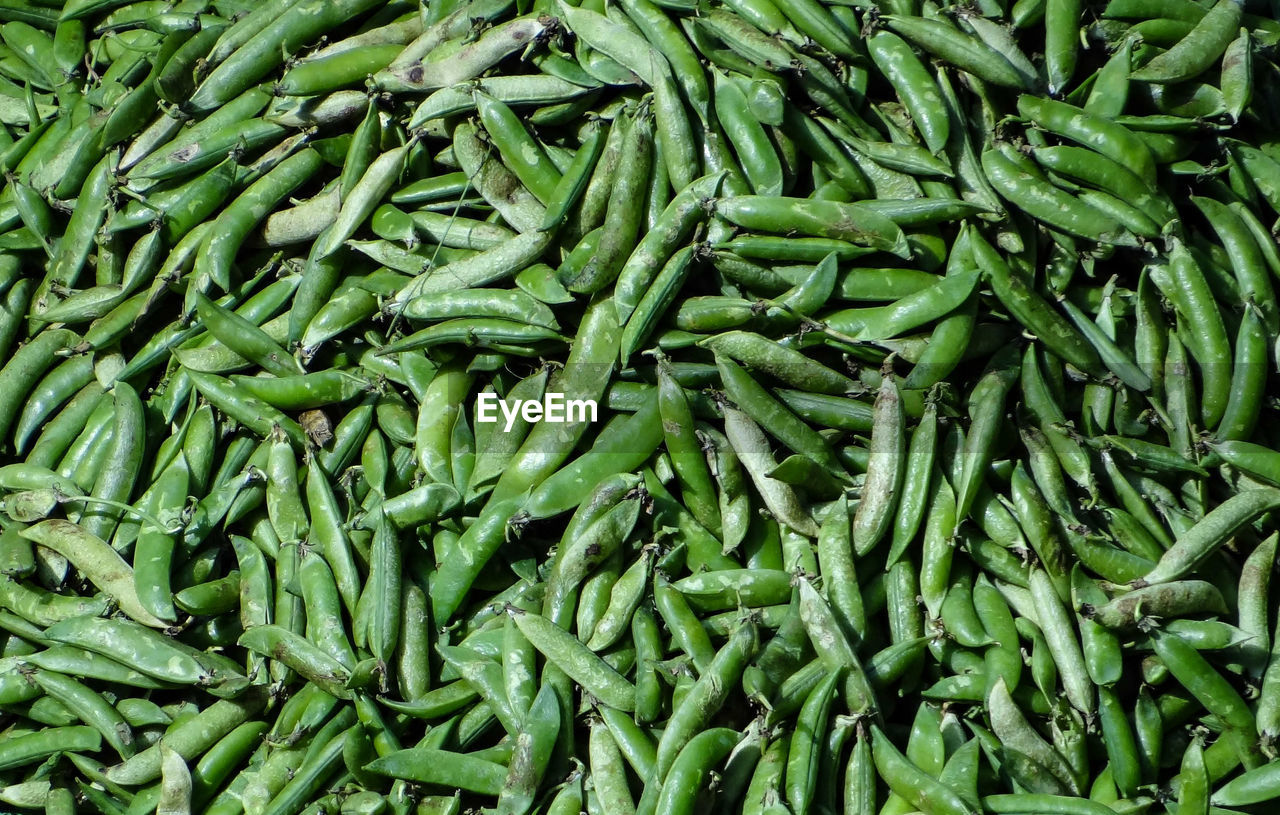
384,581
33,606
1101,647
1017,735
914,85
589,547
1062,41
986,409
478,269
267,47
1047,203
622,217
1248,378
495,182
773,417
142,649
86,218
245,338
729,588
649,650
445,23
834,648
486,676
154,547
706,697
1251,787
176,77
93,709
586,373
190,738
522,90
253,413
321,73
1208,686
1198,50
1061,639
97,561
619,448
607,771
828,219
418,74
657,247
34,747
1203,539
519,151
667,38
937,553
299,654
916,479
579,663
910,782
759,159
1121,746
907,313
209,149
1112,140
1034,312
1029,802
885,473
573,184
74,661
24,368
57,386
1237,74
687,458
452,769
241,216
625,598
479,542
477,331
782,362
687,632
1114,357
1247,261
1105,173
532,754
967,53
752,449
805,749
496,446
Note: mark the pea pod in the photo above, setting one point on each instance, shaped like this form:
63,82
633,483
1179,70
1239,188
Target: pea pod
1207,685
914,86
30,748
1210,533
706,697
265,49
910,781
1110,139
190,738
20,374
93,709
1200,48
97,561
1049,204
828,219
1034,313
577,661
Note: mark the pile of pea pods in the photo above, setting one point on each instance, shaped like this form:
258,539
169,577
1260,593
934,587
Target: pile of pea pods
645,407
